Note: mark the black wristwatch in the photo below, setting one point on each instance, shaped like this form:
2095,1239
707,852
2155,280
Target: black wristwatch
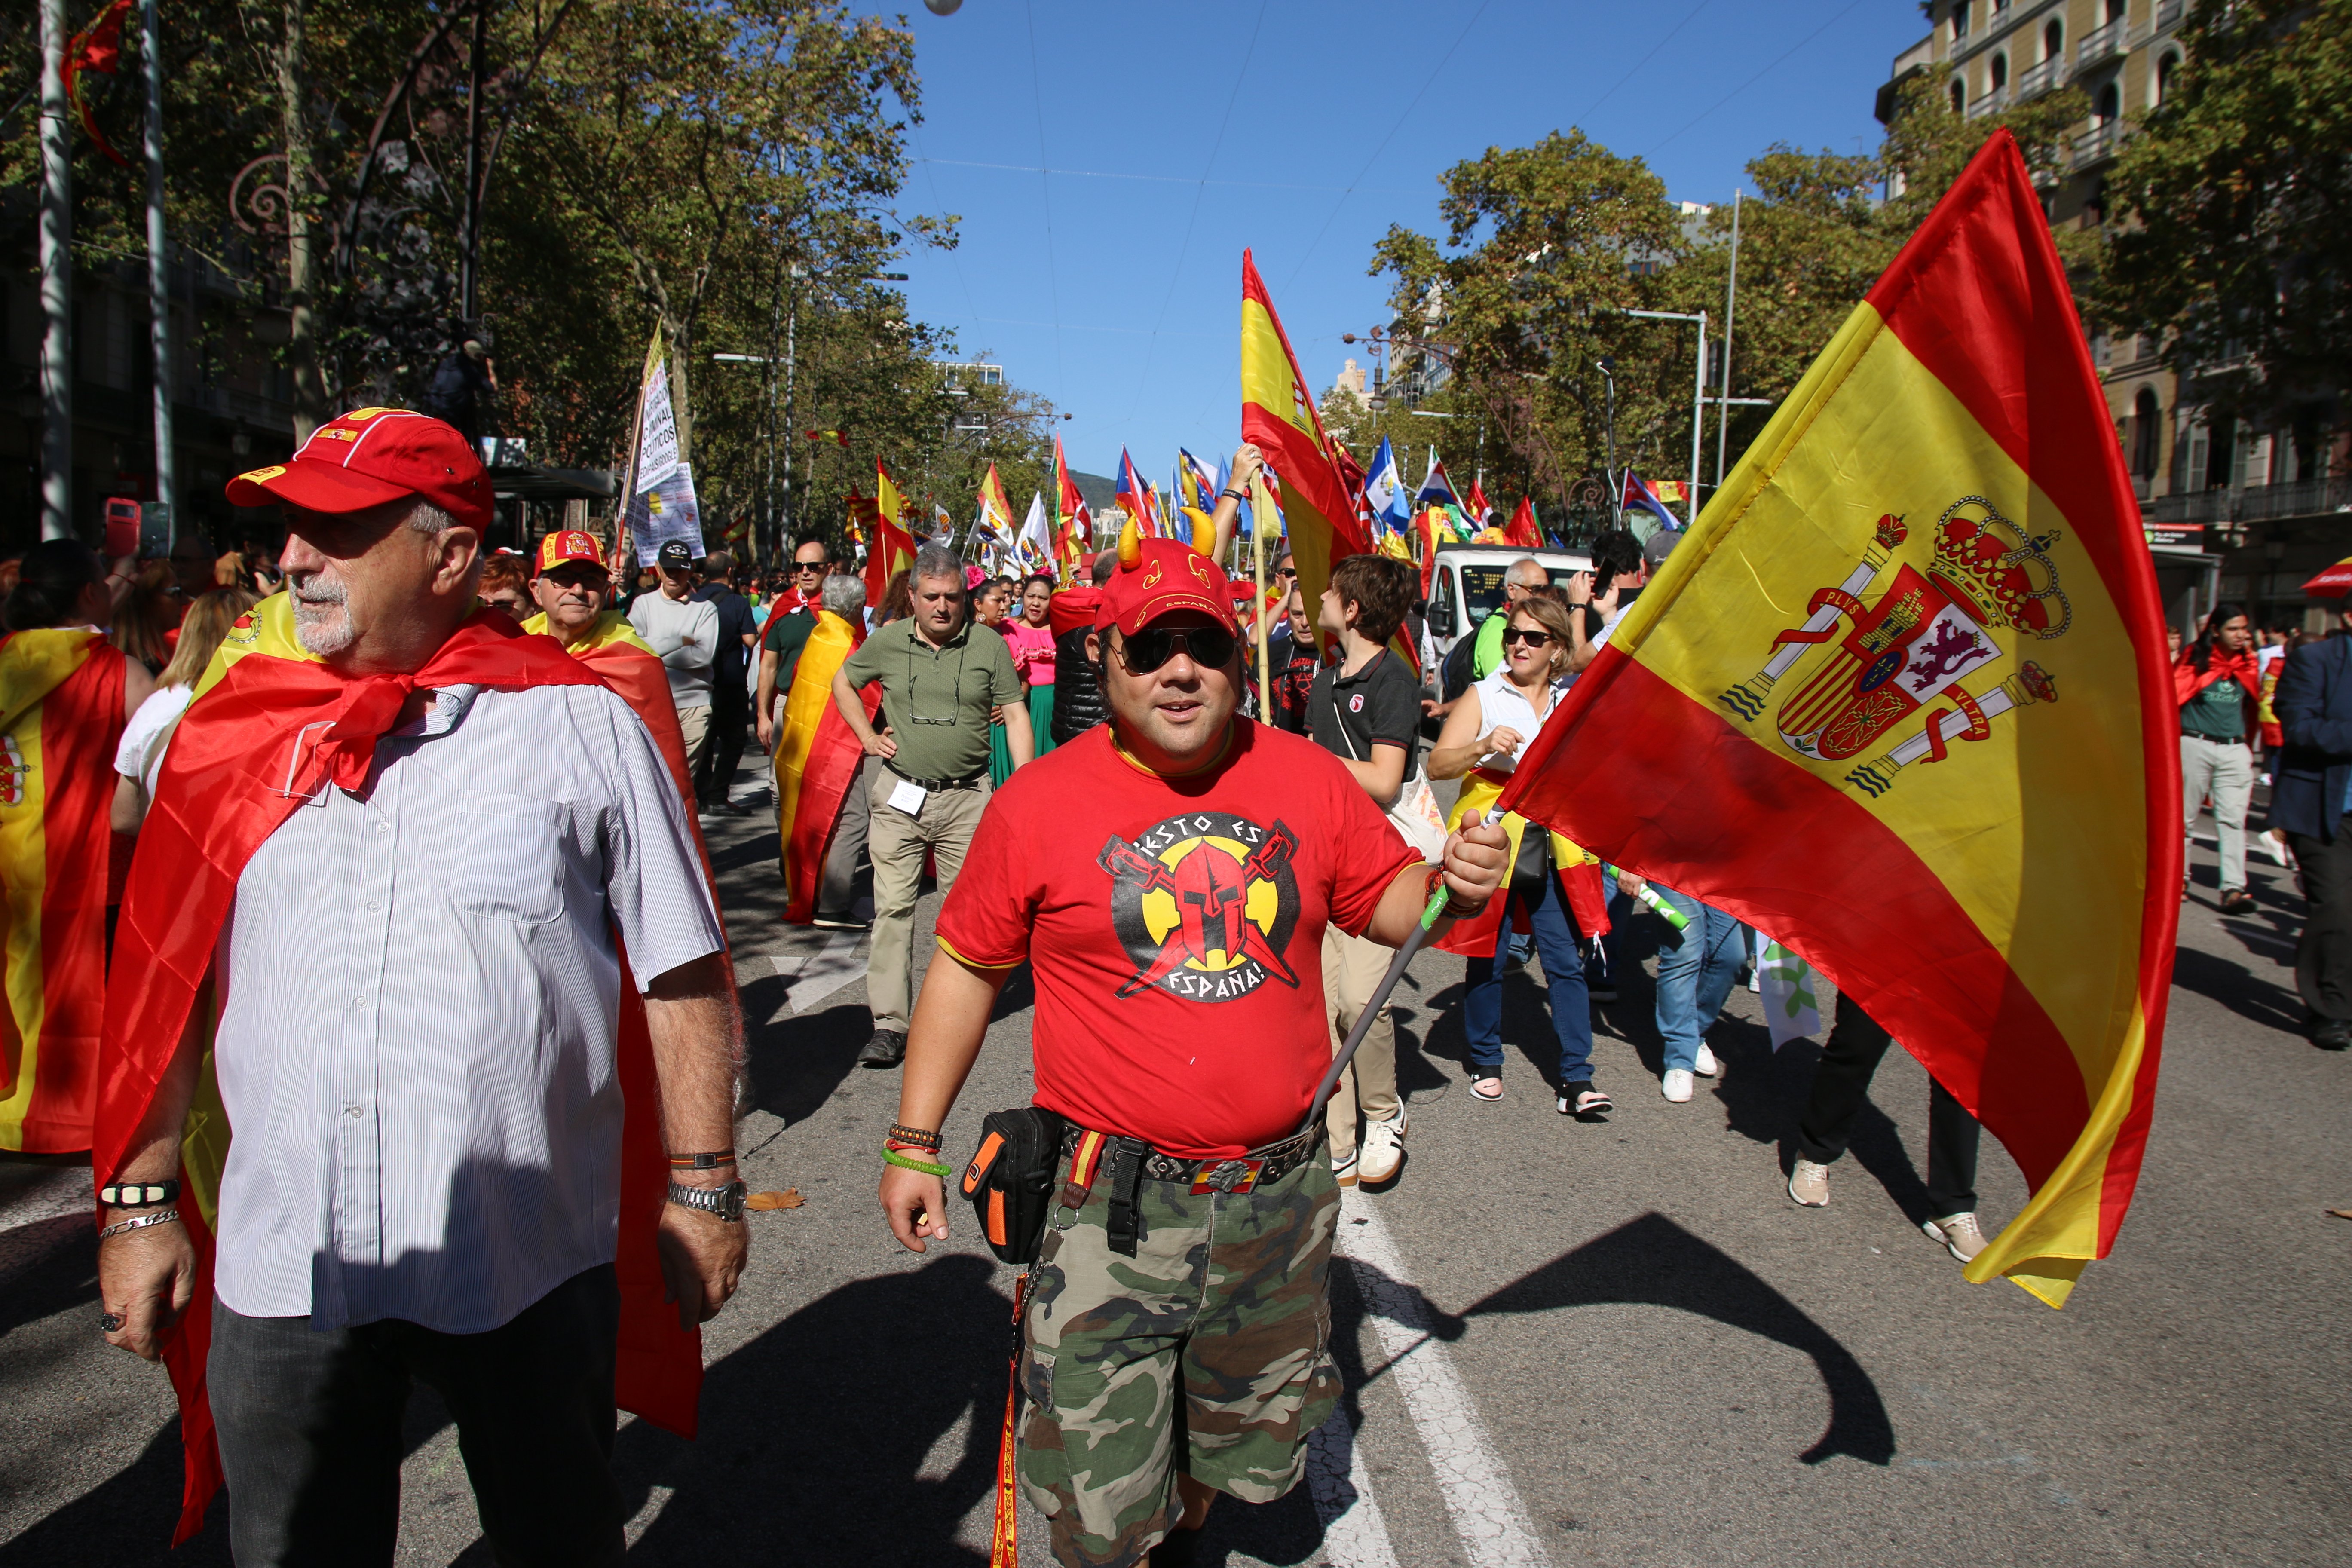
726,1202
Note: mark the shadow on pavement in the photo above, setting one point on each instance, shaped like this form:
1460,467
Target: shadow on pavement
127,1521
2236,987
798,1061
817,1436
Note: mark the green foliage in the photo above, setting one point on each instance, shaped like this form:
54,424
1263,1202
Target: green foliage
2232,223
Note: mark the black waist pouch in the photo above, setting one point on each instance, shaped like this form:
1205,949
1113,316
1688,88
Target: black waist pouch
1012,1179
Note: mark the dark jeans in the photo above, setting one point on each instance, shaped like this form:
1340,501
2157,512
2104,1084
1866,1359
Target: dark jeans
730,710
1561,949
310,1428
2322,954
1849,1060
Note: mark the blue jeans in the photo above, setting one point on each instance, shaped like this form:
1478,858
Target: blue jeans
1562,950
1695,971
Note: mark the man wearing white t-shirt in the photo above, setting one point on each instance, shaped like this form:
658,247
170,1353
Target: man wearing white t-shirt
685,632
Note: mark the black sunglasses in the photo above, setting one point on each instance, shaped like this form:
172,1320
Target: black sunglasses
1527,635
808,566
1147,649
1285,571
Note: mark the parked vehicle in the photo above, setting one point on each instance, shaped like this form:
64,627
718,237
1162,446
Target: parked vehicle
1467,585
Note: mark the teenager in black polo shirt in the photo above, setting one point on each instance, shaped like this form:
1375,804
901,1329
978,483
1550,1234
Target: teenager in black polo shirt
1366,710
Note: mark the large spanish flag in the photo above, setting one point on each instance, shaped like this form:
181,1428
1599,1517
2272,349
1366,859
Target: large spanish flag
60,718
1278,416
239,764
892,548
816,760
1901,699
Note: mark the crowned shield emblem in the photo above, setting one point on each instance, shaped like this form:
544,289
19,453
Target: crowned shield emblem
1871,659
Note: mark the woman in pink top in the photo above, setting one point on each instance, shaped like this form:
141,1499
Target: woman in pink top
1031,639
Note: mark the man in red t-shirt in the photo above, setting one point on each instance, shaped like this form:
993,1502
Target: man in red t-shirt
1169,877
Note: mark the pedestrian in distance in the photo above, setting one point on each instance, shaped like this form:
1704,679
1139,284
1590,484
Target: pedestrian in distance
139,756
2308,800
1552,880
1850,1058
2221,724
791,617
1366,710
1029,637
1175,1338
1078,694
424,836
683,632
505,588
943,680
730,693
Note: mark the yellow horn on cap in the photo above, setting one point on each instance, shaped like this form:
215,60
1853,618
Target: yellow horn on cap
1204,530
1130,546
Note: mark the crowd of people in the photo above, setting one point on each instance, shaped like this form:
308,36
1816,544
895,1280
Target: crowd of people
425,999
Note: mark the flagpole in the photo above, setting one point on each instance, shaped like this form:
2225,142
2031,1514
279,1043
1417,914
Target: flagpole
1698,423
158,277
1730,304
56,279
1261,508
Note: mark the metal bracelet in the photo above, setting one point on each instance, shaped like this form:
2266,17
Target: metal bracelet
167,1217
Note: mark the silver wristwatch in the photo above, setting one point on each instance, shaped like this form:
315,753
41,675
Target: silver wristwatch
726,1202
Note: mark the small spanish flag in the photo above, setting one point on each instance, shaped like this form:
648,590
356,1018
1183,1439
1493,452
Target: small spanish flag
1902,700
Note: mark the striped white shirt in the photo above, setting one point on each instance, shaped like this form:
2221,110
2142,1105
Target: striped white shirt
418,1049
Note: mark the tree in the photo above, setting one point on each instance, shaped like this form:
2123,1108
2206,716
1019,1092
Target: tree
2230,229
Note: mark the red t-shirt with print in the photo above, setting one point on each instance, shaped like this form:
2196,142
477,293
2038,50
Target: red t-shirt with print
1175,930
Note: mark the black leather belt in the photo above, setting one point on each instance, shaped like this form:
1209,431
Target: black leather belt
973,782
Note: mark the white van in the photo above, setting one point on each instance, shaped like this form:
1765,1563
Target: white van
1467,585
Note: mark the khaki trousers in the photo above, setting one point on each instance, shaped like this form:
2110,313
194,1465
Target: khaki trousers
896,845
694,729
1352,968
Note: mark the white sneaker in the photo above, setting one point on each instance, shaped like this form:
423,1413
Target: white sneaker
2272,845
1676,1085
1706,1066
1809,1183
1343,1171
1959,1233
1382,1151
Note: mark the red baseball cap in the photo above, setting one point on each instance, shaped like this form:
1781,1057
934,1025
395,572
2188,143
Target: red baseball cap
1167,575
371,457
569,544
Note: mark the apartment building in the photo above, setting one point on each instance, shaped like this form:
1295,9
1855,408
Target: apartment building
2245,514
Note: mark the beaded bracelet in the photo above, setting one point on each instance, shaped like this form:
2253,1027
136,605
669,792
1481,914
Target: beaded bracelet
926,1167
900,1133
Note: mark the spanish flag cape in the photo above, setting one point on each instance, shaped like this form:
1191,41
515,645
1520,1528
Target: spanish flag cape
816,760
60,718
1901,699
268,725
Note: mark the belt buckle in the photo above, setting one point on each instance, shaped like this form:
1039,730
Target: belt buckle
1231,1176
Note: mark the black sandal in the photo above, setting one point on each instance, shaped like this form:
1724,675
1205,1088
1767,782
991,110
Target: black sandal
1479,1075
1581,1100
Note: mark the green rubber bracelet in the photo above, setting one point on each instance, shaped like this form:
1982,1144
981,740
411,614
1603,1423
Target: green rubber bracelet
926,1166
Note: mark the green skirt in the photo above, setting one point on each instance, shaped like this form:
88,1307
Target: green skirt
1041,718
999,756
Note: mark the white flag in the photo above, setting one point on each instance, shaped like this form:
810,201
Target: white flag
1036,543
665,512
1791,1005
656,433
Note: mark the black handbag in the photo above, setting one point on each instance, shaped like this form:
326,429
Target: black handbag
1011,1179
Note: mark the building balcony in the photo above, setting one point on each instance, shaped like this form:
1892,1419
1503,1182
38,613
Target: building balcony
2035,80
2255,504
2097,145
1992,103
2101,44
2167,17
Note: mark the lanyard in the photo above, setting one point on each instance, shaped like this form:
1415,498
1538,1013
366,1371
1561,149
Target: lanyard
955,692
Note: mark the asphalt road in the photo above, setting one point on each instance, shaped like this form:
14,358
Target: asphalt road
1563,1342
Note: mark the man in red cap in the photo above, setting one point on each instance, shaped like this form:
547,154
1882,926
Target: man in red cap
1168,877
388,855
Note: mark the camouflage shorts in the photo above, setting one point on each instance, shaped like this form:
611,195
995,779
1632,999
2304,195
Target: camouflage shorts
1206,1352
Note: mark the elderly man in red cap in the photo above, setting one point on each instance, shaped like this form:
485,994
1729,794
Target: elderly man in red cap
381,879
1168,877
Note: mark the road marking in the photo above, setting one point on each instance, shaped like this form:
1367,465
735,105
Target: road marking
826,972
1354,1533
1487,1514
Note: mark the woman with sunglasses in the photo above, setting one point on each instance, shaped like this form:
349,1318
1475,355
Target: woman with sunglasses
1550,879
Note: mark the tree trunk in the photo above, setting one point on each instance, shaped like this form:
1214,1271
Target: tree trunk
302,344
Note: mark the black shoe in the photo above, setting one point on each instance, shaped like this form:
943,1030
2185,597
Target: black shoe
887,1048
2330,1034
1177,1549
2237,901
1600,990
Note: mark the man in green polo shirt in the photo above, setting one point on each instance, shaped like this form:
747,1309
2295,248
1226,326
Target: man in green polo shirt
944,680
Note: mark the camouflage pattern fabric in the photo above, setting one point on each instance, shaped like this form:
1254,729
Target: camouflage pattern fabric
1207,1352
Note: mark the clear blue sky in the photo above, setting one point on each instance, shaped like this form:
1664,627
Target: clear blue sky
1177,134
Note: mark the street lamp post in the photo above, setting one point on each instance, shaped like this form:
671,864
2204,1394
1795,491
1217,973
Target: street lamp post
1698,400
56,279
158,277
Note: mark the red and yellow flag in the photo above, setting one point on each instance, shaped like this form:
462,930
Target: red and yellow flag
1901,700
60,719
1075,533
1279,416
892,548
816,760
